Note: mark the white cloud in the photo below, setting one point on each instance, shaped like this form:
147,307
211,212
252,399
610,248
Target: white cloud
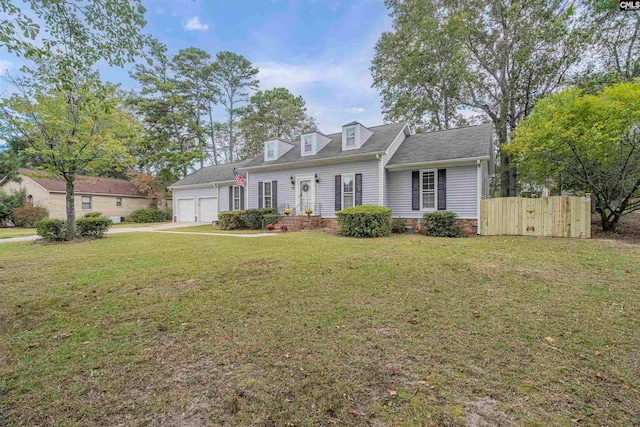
5,66
354,110
194,24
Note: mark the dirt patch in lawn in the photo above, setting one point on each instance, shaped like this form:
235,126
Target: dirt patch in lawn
628,229
484,412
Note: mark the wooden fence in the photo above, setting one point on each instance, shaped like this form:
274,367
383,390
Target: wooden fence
556,216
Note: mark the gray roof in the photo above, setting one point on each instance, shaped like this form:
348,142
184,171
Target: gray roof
382,137
211,174
461,143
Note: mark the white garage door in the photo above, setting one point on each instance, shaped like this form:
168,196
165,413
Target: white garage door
186,210
208,209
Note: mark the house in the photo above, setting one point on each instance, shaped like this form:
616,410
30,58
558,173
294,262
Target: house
385,165
114,198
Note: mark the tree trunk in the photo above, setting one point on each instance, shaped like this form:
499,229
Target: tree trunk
513,181
213,134
609,224
71,208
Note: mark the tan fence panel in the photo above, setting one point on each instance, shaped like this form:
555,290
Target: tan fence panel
556,216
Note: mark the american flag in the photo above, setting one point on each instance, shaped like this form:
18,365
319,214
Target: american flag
239,179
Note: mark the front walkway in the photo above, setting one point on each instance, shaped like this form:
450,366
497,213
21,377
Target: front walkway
153,228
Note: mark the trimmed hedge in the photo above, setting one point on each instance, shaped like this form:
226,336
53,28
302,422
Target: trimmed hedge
93,226
270,219
365,221
151,214
27,215
252,218
230,220
51,229
398,225
441,224
92,214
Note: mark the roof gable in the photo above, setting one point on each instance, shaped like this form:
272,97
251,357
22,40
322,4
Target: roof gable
211,174
84,184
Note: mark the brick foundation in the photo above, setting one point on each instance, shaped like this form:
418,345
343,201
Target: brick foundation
299,222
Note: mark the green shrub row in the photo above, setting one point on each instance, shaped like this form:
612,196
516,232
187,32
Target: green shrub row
51,229
365,221
93,226
441,224
151,214
251,218
55,230
230,220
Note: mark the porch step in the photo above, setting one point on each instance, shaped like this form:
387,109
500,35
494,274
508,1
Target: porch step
299,222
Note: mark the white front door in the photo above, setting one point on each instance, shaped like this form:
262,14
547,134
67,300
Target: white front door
305,194
207,209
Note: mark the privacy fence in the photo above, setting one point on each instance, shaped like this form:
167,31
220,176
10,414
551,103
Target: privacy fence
556,216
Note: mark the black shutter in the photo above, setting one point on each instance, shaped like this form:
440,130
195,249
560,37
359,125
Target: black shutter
358,189
231,198
442,189
338,192
415,190
241,198
274,195
260,194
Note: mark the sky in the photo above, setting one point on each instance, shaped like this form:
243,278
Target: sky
320,49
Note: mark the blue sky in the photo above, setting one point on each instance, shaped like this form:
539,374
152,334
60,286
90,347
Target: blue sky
320,49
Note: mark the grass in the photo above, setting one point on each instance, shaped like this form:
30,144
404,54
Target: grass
307,329
6,233
138,224
208,228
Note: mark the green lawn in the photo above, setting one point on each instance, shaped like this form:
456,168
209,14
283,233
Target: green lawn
308,329
208,228
138,224
8,232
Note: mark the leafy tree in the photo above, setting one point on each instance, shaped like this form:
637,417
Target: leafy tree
8,202
506,55
586,142
86,133
235,76
9,165
273,113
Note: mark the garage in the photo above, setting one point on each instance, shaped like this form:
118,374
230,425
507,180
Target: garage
186,210
207,209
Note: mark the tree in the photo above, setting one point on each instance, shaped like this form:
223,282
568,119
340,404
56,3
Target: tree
508,53
235,76
9,165
586,142
273,114
85,133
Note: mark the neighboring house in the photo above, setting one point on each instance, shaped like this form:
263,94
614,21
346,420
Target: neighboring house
384,165
114,198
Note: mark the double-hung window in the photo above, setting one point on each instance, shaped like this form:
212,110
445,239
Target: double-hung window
308,144
119,202
236,198
267,195
271,150
348,193
351,137
428,194
86,202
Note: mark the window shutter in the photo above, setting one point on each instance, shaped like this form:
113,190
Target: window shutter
442,189
241,198
358,189
274,195
338,192
415,190
231,198
260,188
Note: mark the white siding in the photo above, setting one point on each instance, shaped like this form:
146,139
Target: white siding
485,180
399,139
364,134
324,190
462,189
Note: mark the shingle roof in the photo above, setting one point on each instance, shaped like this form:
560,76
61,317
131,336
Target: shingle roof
461,143
382,137
210,174
85,184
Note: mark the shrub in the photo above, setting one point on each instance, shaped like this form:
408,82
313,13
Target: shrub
398,225
93,226
10,201
441,224
51,230
92,214
252,218
27,215
270,219
151,214
230,220
365,221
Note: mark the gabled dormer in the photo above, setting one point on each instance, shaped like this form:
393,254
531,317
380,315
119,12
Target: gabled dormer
354,135
312,142
275,148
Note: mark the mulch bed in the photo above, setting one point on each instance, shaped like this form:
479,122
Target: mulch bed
628,228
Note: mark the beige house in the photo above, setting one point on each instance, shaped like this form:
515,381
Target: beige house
114,198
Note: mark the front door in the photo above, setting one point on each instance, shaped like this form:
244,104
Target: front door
305,191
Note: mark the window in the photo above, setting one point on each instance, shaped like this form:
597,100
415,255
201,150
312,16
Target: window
236,199
348,199
267,194
428,193
86,202
308,144
119,202
351,137
271,150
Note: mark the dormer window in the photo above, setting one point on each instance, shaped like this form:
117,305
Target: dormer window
351,137
270,150
308,144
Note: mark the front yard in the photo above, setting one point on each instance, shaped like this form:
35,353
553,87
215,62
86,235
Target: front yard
307,329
